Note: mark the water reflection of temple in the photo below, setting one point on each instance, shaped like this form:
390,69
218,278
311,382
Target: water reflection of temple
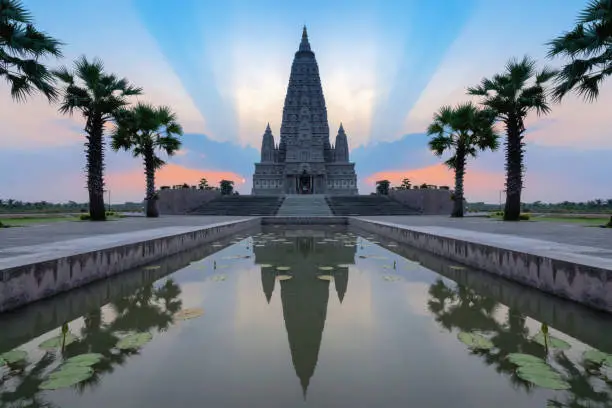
304,298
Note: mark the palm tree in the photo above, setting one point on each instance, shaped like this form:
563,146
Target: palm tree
589,47
98,96
145,129
21,46
463,131
512,95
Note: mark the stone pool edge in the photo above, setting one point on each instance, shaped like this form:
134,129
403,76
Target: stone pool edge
581,282
40,279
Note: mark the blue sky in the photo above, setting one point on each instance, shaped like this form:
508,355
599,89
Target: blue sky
386,66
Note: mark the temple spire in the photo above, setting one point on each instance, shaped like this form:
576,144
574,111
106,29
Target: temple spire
305,45
267,146
341,150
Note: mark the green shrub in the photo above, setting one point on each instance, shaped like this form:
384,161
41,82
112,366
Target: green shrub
164,188
444,188
524,217
85,217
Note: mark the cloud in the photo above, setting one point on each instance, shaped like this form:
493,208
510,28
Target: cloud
478,183
128,52
55,173
132,183
476,53
553,173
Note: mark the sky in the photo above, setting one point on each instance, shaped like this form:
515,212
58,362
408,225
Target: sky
386,66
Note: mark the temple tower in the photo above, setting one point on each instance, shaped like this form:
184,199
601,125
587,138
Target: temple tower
304,162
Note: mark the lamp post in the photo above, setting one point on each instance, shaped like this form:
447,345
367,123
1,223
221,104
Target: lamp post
109,201
500,200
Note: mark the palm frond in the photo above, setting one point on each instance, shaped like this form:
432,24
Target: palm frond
21,47
440,144
451,162
64,75
596,10
12,10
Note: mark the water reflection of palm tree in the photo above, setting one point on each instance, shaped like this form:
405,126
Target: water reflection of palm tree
450,308
26,392
461,308
147,308
143,311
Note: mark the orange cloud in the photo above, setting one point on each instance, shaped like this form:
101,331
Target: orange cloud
477,183
132,183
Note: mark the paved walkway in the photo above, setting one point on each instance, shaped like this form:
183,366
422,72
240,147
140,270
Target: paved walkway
558,232
62,231
563,233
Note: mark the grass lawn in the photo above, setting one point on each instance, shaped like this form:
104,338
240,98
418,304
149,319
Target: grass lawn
574,220
577,219
27,221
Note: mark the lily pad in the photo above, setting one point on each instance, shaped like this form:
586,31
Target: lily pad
326,268
553,342
343,265
57,341
475,341
260,245
521,359
283,268
543,376
597,357
216,245
190,313
325,277
13,356
284,277
265,265
151,267
456,267
134,341
84,360
218,278
66,377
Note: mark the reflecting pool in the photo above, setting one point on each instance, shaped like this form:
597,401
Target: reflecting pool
319,317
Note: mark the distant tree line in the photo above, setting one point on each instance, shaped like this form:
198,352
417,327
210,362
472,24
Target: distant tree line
592,206
226,187
383,187
18,206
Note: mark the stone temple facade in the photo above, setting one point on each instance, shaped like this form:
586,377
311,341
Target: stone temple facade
304,161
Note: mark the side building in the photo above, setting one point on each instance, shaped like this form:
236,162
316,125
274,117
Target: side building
304,161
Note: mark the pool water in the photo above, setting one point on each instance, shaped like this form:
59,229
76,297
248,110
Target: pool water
316,318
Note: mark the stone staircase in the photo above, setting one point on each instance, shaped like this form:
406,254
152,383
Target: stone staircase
367,205
304,205
241,205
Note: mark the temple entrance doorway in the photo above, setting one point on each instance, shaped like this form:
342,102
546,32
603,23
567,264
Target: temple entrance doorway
304,183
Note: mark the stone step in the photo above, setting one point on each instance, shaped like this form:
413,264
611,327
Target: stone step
303,205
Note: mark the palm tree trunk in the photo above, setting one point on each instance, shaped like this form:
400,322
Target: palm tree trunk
150,195
95,168
514,170
459,174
